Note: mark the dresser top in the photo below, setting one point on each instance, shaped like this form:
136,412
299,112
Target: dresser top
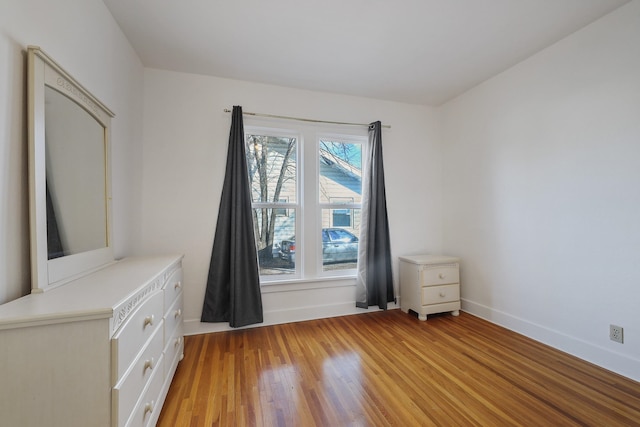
94,296
429,259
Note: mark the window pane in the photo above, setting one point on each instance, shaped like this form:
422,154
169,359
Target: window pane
339,244
340,166
275,241
341,217
271,163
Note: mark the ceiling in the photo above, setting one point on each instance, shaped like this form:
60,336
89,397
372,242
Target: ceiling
413,51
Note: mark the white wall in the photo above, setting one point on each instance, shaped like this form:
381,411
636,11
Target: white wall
539,179
542,193
185,144
82,37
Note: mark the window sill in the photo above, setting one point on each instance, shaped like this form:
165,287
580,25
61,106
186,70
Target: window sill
304,284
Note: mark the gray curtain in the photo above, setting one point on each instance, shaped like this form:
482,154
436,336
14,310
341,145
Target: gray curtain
54,242
375,279
233,285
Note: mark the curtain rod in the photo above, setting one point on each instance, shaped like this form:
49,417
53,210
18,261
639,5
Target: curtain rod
273,116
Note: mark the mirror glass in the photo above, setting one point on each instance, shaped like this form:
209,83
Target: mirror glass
75,174
69,178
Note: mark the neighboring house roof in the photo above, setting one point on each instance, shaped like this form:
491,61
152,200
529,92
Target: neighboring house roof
339,178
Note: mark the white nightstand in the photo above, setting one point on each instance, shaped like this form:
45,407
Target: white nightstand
429,284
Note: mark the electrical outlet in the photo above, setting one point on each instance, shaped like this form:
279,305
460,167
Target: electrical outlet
615,333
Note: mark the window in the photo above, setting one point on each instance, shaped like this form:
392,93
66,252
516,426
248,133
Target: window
282,211
340,191
272,168
341,217
324,182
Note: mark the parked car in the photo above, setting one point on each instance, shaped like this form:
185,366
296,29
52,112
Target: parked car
338,245
288,249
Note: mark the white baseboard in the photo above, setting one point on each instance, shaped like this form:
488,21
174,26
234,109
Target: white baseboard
603,357
298,314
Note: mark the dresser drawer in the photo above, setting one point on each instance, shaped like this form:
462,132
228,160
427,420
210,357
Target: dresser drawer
440,294
130,387
440,275
174,349
173,316
134,333
148,407
172,289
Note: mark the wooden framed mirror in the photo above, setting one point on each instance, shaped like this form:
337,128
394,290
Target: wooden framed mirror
69,176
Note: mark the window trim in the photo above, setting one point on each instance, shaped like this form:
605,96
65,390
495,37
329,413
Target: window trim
320,206
288,206
308,208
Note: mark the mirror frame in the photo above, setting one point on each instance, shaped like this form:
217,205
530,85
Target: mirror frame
48,274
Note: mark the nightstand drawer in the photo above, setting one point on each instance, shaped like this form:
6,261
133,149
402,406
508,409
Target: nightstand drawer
440,294
441,275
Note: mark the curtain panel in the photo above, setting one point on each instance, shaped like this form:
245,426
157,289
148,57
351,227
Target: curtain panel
54,242
375,279
233,284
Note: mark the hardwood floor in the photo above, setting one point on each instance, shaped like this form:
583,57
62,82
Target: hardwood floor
389,369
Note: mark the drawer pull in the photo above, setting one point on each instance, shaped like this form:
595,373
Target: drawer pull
442,294
178,342
441,275
148,321
178,313
178,285
148,364
148,408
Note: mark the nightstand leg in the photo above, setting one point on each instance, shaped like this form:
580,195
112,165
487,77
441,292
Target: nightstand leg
422,317
455,313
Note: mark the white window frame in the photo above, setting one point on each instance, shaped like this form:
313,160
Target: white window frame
343,138
307,207
289,206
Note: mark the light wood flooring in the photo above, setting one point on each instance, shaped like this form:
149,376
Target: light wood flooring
390,369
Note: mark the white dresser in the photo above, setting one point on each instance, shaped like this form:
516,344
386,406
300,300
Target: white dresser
99,351
429,284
